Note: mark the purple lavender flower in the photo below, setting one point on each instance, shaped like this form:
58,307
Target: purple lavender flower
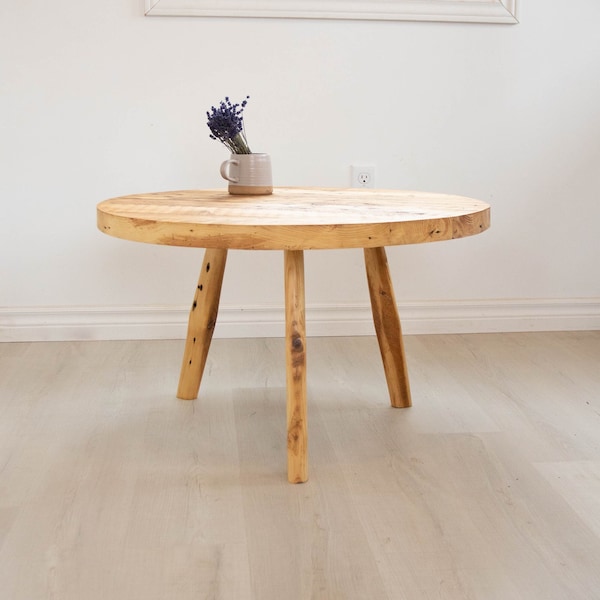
226,124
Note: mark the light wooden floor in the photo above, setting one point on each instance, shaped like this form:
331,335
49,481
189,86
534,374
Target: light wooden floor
487,488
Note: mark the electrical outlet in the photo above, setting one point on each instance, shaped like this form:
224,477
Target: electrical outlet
362,176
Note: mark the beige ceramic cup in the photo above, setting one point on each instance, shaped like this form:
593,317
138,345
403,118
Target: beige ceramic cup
248,174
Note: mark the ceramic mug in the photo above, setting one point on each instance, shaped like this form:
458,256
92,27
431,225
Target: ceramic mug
248,174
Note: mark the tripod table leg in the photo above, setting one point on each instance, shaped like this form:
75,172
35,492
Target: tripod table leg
387,326
295,354
201,324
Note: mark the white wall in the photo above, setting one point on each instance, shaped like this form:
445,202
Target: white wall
97,100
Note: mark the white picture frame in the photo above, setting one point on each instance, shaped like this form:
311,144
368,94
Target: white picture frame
466,11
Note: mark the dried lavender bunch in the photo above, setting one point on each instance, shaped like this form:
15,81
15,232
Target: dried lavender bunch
226,124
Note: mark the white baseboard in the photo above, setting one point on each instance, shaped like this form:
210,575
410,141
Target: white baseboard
168,322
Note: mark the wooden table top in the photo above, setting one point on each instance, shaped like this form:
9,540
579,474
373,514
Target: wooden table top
292,218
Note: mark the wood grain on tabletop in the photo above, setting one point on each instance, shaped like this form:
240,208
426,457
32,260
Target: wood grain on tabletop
292,218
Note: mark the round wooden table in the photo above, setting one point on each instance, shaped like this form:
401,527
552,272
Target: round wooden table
293,220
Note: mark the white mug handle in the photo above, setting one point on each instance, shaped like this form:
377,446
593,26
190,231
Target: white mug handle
224,170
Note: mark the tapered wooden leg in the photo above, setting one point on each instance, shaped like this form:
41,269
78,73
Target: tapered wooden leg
201,324
387,326
295,356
